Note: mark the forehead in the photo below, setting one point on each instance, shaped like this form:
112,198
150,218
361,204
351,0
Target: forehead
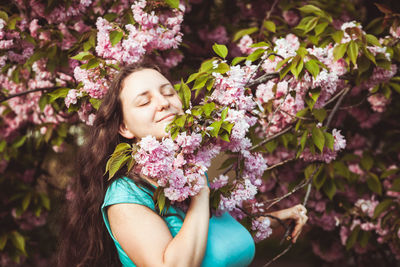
142,80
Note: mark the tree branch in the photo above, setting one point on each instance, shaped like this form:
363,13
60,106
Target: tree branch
5,98
280,164
267,15
266,140
263,78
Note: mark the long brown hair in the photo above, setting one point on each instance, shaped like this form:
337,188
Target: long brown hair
84,239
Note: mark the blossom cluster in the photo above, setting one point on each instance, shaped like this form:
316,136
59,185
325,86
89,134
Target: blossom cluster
151,32
262,228
166,161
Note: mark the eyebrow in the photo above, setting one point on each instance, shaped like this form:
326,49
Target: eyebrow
146,91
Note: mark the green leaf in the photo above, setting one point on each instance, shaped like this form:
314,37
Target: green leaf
381,207
302,113
260,44
395,86
297,67
110,17
95,102
237,60
116,162
320,28
310,9
173,3
207,65
216,125
374,184
45,201
18,240
122,148
222,68
4,16
341,169
281,63
62,92
388,173
244,32
319,114
311,24
309,170
227,126
225,136
210,84
180,121
208,108
318,138
339,50
304,22
337,36
352,51
270,26
115,37
3,145
93,63
351,241
220,50
313,67
303,140
83,56
13,21
224,113
329,140
187,94
3,241
319,181
371,39
271,146
193,76
315,95
161,202
19,141
365,235
26,201
329,188
256,54
367,162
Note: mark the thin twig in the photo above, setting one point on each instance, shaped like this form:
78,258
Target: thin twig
263,78
266,140
336,107
260,214
267,15
334,98
227,170
279,255
279,164
28,92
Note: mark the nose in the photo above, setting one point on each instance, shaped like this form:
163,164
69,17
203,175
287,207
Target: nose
162,102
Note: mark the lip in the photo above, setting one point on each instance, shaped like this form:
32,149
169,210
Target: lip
166,117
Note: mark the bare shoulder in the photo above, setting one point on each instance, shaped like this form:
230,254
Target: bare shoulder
139,230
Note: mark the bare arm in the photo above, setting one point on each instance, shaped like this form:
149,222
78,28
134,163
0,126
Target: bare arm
146,239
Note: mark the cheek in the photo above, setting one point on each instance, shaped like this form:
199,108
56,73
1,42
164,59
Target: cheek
178,104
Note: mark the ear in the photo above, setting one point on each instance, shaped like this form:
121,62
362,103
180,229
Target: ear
125,132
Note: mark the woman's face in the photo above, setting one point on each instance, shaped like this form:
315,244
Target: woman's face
149,104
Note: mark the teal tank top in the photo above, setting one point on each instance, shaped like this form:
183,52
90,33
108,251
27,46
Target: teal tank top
229,244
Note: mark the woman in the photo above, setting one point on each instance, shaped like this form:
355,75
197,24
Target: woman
141,102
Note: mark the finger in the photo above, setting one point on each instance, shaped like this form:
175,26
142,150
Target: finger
299,226
297,236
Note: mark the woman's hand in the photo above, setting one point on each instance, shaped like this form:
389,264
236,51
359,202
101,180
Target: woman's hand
204,192
296,213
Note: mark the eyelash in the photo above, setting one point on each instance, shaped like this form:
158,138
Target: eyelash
172,94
